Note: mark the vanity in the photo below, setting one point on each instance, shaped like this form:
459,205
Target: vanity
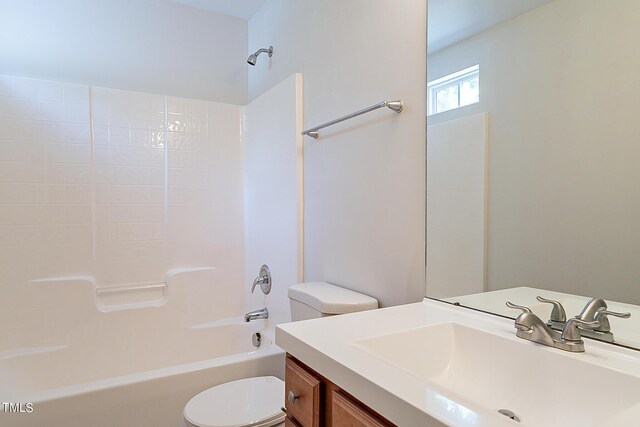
434,364
313,400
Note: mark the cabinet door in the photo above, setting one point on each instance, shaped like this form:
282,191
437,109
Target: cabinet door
302,395
347,413
288,422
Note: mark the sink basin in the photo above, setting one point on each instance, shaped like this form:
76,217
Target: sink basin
542,386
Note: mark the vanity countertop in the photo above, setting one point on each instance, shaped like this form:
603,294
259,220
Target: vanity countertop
336,347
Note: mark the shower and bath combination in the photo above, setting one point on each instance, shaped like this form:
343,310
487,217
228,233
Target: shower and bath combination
254,56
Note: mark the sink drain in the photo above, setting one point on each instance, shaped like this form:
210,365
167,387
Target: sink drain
508,413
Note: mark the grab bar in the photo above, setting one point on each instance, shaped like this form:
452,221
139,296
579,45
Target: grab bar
396,106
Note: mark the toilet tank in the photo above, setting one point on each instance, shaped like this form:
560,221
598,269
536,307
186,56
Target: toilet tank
319,299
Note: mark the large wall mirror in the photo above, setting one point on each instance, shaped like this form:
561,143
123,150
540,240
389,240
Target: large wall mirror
533,158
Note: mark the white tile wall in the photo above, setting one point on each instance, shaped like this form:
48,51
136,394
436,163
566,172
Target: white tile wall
129,153
205,217
45,196
125,201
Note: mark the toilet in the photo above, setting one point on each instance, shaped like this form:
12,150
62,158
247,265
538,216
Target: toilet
256,402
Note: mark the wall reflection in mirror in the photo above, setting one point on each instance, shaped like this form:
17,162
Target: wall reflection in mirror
533,159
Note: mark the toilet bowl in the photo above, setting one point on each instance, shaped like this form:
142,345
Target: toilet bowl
250,402
256,402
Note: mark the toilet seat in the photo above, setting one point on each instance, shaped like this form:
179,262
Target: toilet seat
250,402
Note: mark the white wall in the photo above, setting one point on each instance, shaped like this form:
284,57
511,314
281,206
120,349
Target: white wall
563,145
273,191
103,187
141,45
364,180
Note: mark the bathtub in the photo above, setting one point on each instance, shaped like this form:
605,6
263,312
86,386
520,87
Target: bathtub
135,380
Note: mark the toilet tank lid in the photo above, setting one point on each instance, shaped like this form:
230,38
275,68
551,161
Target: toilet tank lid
331,299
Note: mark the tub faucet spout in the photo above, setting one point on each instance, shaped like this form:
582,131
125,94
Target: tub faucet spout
263,313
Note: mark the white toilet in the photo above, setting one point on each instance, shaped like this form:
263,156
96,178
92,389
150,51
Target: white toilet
256,402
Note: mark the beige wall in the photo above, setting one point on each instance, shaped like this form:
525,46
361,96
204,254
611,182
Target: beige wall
364,180
560,84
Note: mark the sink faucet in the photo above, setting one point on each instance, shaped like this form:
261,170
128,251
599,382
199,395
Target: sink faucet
589,311
596,310
263,313
530,327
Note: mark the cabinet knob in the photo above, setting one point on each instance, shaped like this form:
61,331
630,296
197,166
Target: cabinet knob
291,397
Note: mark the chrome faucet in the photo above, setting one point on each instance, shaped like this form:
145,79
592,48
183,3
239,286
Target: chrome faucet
530,327
263,313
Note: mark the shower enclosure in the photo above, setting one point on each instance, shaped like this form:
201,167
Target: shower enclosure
131,227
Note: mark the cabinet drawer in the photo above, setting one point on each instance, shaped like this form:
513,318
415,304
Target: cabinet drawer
347,413
302,395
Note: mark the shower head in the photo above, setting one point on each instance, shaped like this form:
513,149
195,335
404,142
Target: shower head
254,56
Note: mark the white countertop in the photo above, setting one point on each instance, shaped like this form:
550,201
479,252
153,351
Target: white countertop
326,346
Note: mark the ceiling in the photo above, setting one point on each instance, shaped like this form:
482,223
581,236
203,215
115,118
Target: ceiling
243,9
451,21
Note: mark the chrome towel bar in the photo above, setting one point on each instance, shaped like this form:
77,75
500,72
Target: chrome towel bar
396,106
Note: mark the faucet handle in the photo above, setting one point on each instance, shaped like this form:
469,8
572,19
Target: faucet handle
263,279
571,331
519,307
603,317
258,281
557,314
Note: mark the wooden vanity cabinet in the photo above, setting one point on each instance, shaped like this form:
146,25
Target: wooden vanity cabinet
313,401
289,422
347,412
302,394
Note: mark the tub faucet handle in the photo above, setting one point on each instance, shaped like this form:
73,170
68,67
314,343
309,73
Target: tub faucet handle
263,279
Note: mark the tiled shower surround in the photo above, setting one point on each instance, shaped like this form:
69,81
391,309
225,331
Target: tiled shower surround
103,188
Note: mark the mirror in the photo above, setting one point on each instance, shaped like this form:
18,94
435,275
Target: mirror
533,156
